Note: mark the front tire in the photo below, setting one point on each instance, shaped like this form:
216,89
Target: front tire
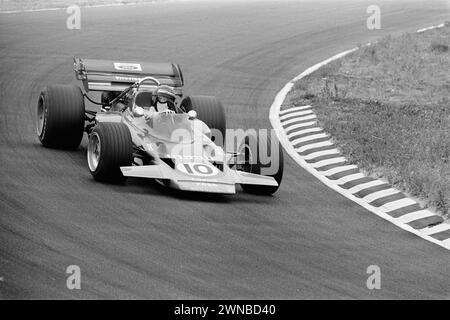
252,149
60,117
109,148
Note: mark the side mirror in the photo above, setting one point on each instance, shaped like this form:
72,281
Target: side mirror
192,114
138,111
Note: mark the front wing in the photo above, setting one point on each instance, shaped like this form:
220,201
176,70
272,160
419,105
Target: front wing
202,180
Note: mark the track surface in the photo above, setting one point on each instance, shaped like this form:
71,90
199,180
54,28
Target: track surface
141,241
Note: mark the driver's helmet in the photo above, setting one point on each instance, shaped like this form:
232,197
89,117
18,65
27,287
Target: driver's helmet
165,98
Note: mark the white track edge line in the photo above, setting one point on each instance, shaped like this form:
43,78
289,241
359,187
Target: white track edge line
118,4
339,169
309,138
397,204
349,178
303,118
279,130
380,194
310,146
318,154
286,111
328,162
304,131
300,125
296,114
431,28
436,229
416,215
366,185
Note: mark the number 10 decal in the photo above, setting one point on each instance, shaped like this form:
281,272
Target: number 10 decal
198,169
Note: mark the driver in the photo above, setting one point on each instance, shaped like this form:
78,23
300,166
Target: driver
164,99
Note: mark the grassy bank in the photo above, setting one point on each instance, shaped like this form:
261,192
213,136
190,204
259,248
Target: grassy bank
15,5
388,107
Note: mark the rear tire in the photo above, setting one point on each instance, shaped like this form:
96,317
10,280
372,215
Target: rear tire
60,117
251,148
209,110
109,148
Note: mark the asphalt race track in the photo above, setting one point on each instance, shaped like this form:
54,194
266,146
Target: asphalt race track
142,241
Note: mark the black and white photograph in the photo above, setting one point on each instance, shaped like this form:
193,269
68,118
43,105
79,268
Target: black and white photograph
224,158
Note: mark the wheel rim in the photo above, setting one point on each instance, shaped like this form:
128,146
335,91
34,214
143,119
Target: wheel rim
40,116
94,150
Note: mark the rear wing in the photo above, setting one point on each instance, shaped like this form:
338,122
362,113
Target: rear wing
104,75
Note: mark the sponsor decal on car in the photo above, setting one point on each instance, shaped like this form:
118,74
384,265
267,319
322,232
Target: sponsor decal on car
186,158
125,66
127,79
198,169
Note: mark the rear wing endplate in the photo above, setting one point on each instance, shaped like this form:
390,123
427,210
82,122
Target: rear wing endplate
106,75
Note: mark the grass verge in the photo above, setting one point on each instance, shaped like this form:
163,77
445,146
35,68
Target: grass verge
20,5
387,106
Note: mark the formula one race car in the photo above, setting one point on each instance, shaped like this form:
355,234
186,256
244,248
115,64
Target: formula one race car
146,128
